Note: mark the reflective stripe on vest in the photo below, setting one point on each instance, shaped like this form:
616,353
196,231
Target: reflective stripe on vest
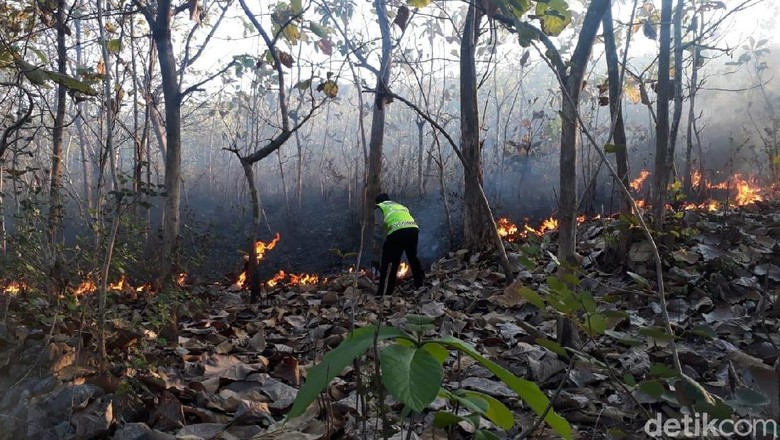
396,216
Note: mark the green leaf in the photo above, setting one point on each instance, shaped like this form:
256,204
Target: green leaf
642,281
663,371
612,148
482,434
597,323
527,390
704,330
531,295
418,3
652,388
554,15
419,319
474,404
748,397
114,46
629,379
304,85
552,346
319,30
335,361
624,338
657,333
412,375
496,412
70,82
437,351
443,419
296,6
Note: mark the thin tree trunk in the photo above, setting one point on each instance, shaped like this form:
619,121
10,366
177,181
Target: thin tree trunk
678,91
376,138
161,31
56,207
475,229
253,278
420,156
661,175
616,115
693,90
571,87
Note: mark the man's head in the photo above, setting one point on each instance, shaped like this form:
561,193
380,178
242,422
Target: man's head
381,197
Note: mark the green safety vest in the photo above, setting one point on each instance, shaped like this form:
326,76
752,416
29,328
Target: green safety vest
396,216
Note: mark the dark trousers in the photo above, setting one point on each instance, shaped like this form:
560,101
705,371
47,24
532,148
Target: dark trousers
400,241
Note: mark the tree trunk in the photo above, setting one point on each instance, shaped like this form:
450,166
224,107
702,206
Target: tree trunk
661,175
693,89
54,231
616,115
476,231
678,92
376,138
161,31
253,278
572,85
420,156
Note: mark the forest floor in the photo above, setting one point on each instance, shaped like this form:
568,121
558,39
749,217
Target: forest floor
235,368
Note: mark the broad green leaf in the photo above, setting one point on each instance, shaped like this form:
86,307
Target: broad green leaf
443,419
411,374
419,319
418,3
642,281
516,8
663,371
526,390
554,15
704,330
296,6
304,85
39,53
114,46
596,323
335,361
624,338
70,82
472,403
652,388
552,346
482,434
748,397
629,379
612,148
318,30
496,412
437,351
531,296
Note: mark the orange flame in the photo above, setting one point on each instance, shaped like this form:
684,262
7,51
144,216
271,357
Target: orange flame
403,270
746,194
87,286
14,287
119,285
636,184
304,278
276,279
241,279
261,247
548,225
181,279
506,228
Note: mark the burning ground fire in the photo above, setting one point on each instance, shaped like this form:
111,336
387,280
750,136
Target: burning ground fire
403,270
13,288
510,231
291,279
742,192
